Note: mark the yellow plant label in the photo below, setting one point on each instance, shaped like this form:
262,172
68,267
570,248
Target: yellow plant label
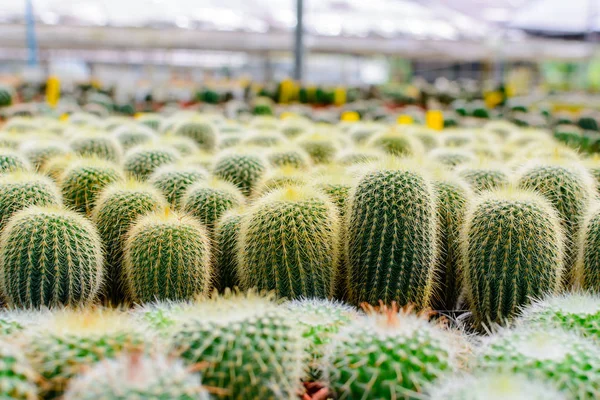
53,91
405,120
350,116
434,119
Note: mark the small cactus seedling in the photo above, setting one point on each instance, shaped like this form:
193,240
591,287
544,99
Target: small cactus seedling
98,146
241,169
174,180
142,161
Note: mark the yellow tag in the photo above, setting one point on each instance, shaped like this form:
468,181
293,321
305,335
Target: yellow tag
350,116
434,119
63,118
53,91
287,115
492,99
405,120
287,91
339,96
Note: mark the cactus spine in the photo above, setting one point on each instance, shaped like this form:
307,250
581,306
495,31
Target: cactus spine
483,176
142,161
396,143
99,146
174,180
18,380
243,170
587,273
11,161
320,147
227,236
202,132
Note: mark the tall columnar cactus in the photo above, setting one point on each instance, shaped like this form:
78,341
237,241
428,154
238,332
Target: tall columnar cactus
563,359
208,201
288,156
242,169
117,208
84,179
202,132
97,145
578,312
389,355
130,136
226,238
392,231
251,347
18,380
397,143
279,178
174,180
12,161
70,342
587,273
142,161
166,257
321,148
40,151
50,256
512,245
184,145
136,376
453,197
569,188
451,157
484,176
289,243
20,190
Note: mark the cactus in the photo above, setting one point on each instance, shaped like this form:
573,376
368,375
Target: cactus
243,170
184,145
135,376
484,176
229,141
71,341
20,190
150,120
166,257
264,139
451,157
40,151
563,359
429,138
84,179
55,167
453,197
513,250
11,161
200,159
175,179
361,133
18,379
96,145
50,256
392,231
493,386
593,167
396,143
569,188
279,178
389,355
202,132
252,348
208,201
578,312
587,272
289,243
359,156
117,208
321,148
226,236
15,321
294,127
289,157
130,136
142,161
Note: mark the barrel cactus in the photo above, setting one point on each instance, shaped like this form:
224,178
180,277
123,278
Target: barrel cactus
265,139
166,256
287,156
587,273
484,176
226,238
451,157
279,178
54,167
391,235
359,155
321,148
50,256
11,161
40,151
201,131
142,161
240,168
184,145
174,180
97,145
512,245
18,380
397,143
130,136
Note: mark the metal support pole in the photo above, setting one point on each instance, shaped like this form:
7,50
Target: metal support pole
299,41
32,48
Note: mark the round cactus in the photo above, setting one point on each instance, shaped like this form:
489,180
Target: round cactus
429,138
208,201
252,348
483,176
18,379
166,257
6,96
130,136
99,146
391,235
202,132
84,179
493,386
564,359
389,355
184,145
117,208
20,190
200,159
150,120
289,157
587,273
160,316
229,141
575,312
513,250
243,170
11,161
289,243
142,161
40,151
135,376
69,342
359,156
279,178
56,166
321,148
50,256
226,236
569,188
451,157
175,179
264,139
397,144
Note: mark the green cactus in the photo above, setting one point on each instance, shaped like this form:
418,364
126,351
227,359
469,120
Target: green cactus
56,166
569,188
321,148
40,151
361,133
18,379
84,179
389,355
14,321
279,178
229,141
264,139
166,257
593,167
11,161
20,190
175,179
142,161
243,170
97,145
251,347
226,237
208,201
392,232
513,250
117,208
451,157
184,145
150,120
289,243
160,316
563,359
201,131
587,272
294,127
484,176
396,143
359,156
576,312
130,136
50,256
429,138
289,157
71,341
135,376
